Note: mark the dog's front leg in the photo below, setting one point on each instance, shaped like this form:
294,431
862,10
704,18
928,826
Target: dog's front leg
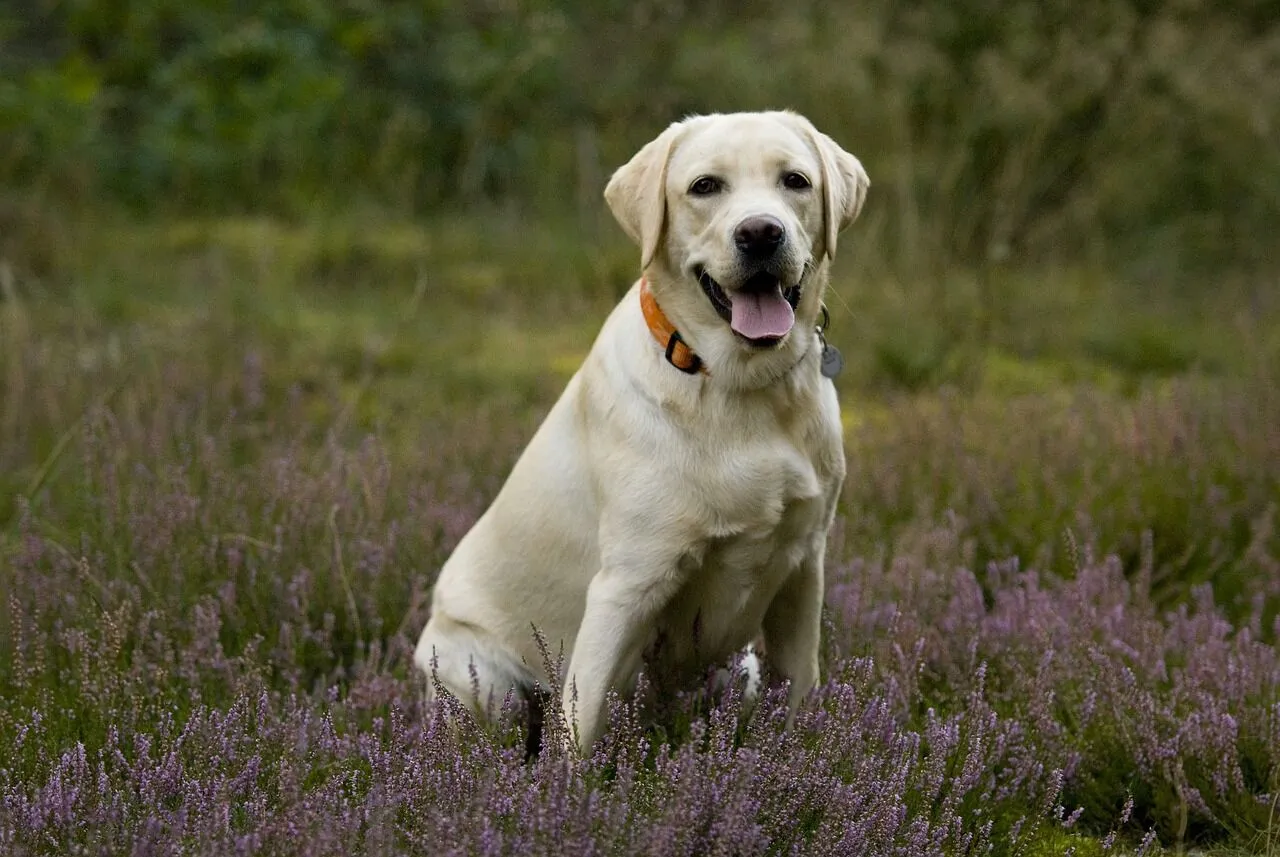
622,605
792,626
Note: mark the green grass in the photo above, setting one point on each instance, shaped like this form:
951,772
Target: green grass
373,325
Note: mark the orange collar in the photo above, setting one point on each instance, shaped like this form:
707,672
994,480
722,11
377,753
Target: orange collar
678,353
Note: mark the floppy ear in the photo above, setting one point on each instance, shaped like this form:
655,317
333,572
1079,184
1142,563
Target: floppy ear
637,193
844,185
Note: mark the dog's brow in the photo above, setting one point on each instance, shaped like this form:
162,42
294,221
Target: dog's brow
729,166
713,164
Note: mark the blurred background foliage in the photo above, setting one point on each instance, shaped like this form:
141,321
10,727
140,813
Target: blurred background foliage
1136,135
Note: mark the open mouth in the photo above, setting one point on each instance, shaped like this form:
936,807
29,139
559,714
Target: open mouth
760,311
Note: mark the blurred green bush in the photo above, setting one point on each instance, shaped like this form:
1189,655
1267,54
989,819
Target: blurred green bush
1140,132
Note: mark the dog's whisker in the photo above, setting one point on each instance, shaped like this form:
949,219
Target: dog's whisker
832,290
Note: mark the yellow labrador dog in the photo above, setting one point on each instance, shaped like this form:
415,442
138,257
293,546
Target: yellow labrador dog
675,502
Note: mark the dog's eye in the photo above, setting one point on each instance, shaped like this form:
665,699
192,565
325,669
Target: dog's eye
705,186
796,181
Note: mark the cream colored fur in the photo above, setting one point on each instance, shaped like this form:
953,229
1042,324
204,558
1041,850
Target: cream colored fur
655,511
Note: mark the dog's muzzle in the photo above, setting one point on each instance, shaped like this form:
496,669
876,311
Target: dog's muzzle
760,311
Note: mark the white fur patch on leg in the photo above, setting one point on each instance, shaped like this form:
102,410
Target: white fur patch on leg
746,670
750,665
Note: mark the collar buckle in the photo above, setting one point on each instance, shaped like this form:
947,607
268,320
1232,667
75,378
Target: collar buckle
693,363
675,349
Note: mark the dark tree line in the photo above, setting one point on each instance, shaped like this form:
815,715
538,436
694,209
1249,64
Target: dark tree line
992,130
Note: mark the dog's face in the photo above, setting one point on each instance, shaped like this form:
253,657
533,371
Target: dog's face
736,215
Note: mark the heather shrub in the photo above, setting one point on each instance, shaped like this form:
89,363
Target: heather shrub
1180,480
1174,709
205,649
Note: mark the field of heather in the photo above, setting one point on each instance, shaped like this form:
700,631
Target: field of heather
286,286
234,453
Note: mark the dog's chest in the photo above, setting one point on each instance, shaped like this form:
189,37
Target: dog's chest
770,510
734,569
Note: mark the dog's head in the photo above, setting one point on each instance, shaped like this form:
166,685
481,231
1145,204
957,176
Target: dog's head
737,216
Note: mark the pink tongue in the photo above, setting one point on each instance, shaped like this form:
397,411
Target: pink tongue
758,315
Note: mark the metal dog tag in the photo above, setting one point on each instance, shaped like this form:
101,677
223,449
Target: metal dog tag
832,361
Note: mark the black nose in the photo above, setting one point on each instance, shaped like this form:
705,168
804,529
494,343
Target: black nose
758,237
